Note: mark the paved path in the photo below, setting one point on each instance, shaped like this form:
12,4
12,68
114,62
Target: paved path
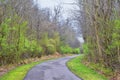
52,70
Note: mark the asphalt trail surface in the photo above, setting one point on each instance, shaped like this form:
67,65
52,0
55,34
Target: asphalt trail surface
52,70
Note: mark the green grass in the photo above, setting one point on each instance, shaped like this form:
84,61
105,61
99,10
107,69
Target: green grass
19,72
83,71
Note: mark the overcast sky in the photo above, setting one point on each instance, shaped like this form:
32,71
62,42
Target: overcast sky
52,3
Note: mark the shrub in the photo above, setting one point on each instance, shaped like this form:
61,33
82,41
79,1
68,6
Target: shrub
33,48
85,48
66,49
76,51
51,49
48,44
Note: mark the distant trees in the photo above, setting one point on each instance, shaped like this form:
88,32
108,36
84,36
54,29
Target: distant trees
100,28
27,31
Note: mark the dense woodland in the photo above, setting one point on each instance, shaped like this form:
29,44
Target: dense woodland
100,22
28,31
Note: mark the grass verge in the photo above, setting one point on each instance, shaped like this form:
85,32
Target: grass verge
82,71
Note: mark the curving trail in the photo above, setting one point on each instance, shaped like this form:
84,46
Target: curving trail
52,70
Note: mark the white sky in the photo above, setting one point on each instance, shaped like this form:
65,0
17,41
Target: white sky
52,3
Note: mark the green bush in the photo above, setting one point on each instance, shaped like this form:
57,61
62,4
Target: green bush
76,51
49,45
85,48
32,48
51,49
66,49
11,40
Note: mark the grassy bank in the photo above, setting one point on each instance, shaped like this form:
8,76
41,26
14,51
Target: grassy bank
20,72
83,71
